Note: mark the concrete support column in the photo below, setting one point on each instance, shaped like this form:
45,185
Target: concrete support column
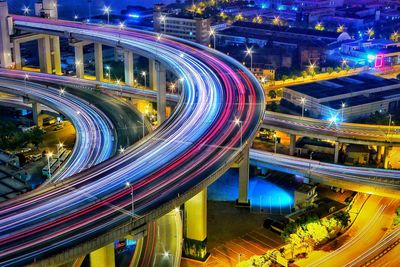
386,157
55,43
36,112
243,200
5,47
379,151
45,54
79,62
292,145
17,56
161,93
103,257
98,58
128,63
152,74
195,241
336,157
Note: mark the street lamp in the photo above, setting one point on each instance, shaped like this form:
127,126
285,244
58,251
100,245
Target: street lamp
26,77
75,17
163,19
249,52
128,184
107,10
303,102
276,141
343,106
240,124
108,68
144,77
59,146
344,62
49,155
121,25
62,91
390,123
213,34
26,10
121,150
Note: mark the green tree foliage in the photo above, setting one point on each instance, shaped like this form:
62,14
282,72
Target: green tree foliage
396,220
272,94
12,138
329,70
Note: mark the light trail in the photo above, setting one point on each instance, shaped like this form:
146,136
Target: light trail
216,90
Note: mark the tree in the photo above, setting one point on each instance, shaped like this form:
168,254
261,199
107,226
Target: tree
304,74
338,69
272,94
284,78
398,76
347,68
329,70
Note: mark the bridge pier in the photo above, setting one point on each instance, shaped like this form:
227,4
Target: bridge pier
195,228
161,93
17,55
36,112
379,151
98,58
128,64
103,257
5,46
292,145
79,62
45,54
55,43
336,157
244,166
386,157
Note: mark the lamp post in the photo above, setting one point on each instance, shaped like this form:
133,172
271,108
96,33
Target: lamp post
26,77
144,77
213,34
107,10
49,155
249,52
62,91
108,68
128,184
240,124
303,102
390,123
276,141
59,146
163,19
342,113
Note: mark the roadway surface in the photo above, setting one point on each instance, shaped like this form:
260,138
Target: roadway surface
178,159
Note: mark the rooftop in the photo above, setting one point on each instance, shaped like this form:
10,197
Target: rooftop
343,85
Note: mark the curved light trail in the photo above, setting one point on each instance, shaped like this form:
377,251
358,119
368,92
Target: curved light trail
199,139
91,125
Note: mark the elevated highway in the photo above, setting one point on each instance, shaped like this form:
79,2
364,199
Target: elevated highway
349,133
189,151
368,180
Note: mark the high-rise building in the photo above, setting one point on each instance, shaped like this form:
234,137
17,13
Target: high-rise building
182,25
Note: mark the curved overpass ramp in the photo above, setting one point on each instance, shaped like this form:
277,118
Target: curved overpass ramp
185,154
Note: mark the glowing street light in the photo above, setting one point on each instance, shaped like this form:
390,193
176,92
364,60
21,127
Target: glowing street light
26,77
239,123
277,21
213,34
26,10
62,91
121,150
303,102
144,78
163,20
121,25
342,113
75,17
128,184
390,123
249,52
108,68
107,10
